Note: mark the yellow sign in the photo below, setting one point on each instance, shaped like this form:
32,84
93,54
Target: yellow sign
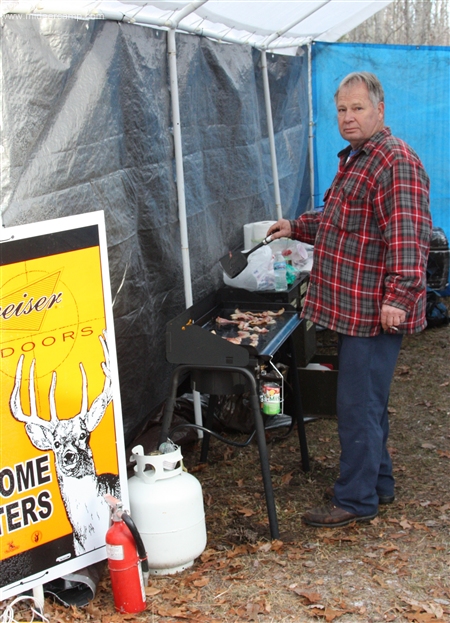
61,432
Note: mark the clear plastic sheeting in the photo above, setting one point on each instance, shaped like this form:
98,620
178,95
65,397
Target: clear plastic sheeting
416,82
87,126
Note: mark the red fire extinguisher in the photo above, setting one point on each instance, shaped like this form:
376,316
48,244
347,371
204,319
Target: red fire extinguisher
127,560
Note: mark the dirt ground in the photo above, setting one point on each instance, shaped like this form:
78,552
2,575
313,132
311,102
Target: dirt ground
395,568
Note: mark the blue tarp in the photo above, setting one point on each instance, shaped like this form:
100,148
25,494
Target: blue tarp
416,81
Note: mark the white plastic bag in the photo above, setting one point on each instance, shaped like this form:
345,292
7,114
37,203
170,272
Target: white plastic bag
258,275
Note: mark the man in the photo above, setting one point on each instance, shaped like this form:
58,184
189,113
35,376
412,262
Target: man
368,283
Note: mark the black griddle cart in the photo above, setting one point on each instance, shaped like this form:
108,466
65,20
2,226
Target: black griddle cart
216,366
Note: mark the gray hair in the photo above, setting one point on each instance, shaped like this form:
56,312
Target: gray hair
376,93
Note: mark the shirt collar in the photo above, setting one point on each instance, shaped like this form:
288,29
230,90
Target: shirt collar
368,145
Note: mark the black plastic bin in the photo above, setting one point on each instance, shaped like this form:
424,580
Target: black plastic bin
438,266
318,388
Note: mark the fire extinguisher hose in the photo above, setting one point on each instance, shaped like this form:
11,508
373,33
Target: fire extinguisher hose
138,540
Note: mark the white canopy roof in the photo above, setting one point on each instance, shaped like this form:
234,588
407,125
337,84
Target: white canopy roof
265,24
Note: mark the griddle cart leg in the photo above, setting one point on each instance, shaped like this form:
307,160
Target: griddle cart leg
262,448
265,467
259,425
293,369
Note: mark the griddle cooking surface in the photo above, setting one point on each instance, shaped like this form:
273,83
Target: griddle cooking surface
226,331
190,338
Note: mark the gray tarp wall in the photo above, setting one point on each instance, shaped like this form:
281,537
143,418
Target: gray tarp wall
87,126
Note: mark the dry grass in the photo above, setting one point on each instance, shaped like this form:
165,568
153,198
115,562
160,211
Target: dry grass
394,568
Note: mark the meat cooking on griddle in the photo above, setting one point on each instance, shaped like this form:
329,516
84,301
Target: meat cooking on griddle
249,325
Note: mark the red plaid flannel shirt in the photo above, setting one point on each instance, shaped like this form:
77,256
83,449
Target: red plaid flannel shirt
371,240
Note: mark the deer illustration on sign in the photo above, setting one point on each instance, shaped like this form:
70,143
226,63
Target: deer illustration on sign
82,490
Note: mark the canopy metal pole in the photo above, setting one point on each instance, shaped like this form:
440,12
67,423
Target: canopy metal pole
285,29
180,14
172,24
172,52
311,126
270,40
273,154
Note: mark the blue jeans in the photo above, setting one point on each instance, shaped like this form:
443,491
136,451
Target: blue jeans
366,368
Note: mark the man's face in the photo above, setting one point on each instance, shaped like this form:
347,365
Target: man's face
358,119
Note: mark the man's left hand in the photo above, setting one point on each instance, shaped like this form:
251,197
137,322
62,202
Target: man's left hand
391,317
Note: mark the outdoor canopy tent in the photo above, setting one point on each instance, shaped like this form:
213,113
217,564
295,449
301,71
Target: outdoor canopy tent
87,127
267,24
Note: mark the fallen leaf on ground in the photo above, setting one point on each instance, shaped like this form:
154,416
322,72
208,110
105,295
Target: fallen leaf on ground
277,545
239,550
313,598
424,526
390,549
422,617
286,479
328,613
228,453
198,468
253,609
208,499
201,582
380,581
247,512
179,613
347,539
208,554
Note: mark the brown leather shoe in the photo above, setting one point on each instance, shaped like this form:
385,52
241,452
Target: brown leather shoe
332,517
382,499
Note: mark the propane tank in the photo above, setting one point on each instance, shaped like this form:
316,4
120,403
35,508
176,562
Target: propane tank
167,506
127,560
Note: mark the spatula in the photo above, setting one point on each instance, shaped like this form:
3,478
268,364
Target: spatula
234,263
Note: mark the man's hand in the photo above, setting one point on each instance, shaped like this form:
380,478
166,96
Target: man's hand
280,229
391,317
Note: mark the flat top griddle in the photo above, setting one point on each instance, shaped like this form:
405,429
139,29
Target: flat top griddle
189,337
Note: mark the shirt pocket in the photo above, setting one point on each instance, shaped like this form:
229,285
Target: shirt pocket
352,210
